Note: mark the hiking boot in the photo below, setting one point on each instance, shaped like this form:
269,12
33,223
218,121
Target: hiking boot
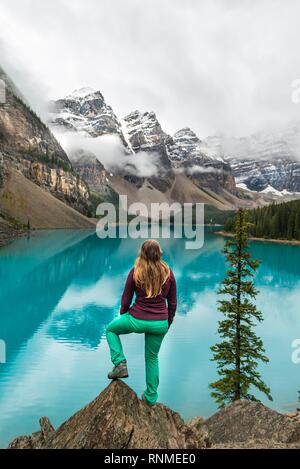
119,371
143,398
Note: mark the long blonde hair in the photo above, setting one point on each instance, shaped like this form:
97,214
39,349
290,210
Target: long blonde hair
150,272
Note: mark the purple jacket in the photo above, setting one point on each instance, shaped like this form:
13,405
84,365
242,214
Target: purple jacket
153,309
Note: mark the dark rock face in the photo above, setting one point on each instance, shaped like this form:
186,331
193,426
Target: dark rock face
247,421
95,175
117,419
91,170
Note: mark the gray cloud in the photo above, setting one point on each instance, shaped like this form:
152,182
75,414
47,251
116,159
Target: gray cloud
216,66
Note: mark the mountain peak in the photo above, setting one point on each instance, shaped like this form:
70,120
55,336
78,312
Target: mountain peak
85,92
184,129
85,111
185,136
187,139
141,116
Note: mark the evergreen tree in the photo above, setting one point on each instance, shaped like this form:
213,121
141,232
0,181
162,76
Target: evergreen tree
238,354
296,226
278,221
291,225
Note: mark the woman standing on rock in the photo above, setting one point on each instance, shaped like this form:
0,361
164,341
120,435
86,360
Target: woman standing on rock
152,313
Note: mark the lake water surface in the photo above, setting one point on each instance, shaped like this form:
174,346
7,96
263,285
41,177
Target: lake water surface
58,291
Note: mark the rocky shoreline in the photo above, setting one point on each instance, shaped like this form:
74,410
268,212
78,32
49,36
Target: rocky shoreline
118,419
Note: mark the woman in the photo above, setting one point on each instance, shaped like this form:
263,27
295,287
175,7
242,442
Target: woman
153,283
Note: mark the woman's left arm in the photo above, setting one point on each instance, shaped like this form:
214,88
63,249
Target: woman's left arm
128,293
172,299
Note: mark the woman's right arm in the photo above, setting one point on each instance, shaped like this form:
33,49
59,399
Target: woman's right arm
128,293
172,299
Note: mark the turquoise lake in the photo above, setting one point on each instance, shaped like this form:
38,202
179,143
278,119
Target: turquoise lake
58,291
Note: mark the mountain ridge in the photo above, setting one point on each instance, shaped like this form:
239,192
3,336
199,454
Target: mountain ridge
143,135
212,163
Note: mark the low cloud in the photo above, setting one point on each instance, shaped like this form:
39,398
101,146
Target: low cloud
110,151
202,169
197,169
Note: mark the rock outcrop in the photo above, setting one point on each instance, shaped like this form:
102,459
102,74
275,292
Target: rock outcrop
117,419
22,201
95,175
27,145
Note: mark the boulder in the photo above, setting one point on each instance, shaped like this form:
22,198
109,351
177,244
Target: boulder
248,422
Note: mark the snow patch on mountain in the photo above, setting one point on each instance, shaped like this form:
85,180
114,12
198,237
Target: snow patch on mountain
243,186
270,190
126,135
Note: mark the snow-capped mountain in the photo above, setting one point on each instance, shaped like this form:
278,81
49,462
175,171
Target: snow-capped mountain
186,146
264,159
85,111
187,153
257,175
144,133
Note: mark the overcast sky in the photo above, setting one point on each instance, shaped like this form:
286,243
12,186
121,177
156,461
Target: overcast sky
214,65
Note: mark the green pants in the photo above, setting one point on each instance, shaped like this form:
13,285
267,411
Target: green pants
154,333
